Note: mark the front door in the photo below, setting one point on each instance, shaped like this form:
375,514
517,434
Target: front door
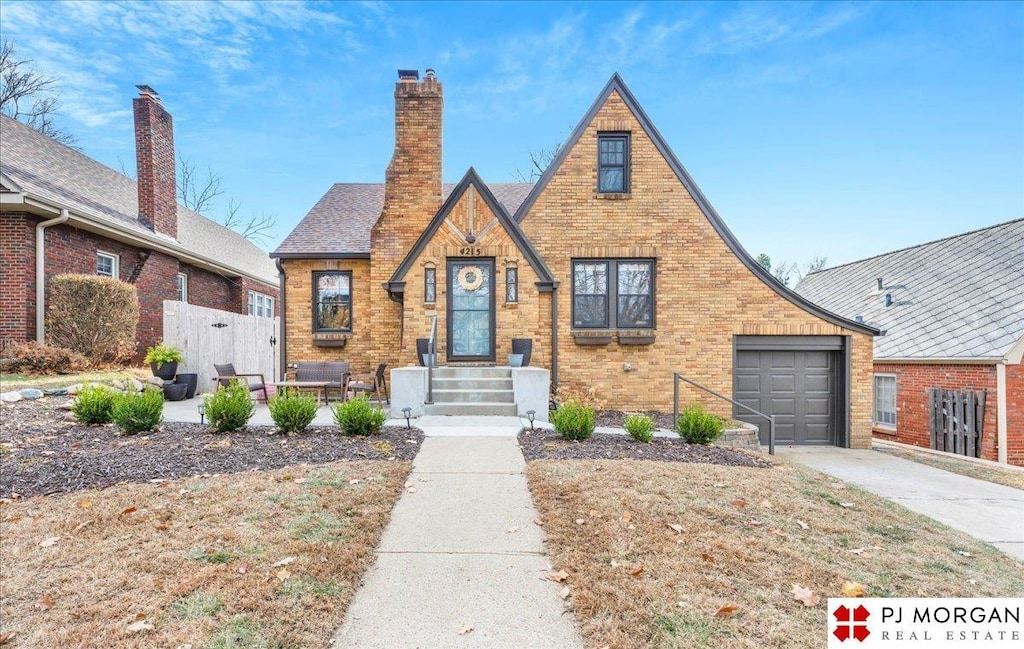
470,309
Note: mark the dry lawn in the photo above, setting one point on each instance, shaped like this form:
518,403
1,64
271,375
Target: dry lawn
9,381
743,537
1005,476
256,559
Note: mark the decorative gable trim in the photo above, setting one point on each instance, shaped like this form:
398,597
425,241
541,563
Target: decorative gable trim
546,280
616,84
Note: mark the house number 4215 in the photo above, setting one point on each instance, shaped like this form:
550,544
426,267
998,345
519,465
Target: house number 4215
471,251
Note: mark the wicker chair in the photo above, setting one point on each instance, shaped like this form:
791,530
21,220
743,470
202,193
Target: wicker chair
368,383
226,374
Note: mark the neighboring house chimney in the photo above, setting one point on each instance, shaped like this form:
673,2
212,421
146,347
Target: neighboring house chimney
154,155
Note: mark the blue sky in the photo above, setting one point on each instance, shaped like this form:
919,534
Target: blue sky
843,130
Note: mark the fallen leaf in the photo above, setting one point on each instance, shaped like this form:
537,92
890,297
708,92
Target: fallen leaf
627,517
466,629
513,529
637,570
538,521
765,504
300,480
283,574
564,593
676,527
140,616
85,504
719,484
411,490
803,525
354,481
853,589
558,577
140,626
82,526
964,554
805,595
283,562
45,603
726,610
162,527
972,582
6,637
130,510
753,522
739,502
614,563
707,557
244,568
846,505
408,484
581,521
861,552
49,542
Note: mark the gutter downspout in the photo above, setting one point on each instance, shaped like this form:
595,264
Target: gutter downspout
41,273
554,338
1001,411
283,350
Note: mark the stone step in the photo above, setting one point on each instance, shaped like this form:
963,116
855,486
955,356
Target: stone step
441,383
479,409
451,372
474,396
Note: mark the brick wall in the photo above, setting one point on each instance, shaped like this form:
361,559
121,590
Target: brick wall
1015,414
155,164
17,276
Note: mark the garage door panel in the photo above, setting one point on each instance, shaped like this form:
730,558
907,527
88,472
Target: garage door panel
783,383
817,360
815,384
783,360
817,407
748,361
748,383
782,407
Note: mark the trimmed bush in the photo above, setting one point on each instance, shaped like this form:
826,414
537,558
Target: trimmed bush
291,411
229,408
134,412
94,316
357,417
33,358
640,427
698,426
94,404
574,420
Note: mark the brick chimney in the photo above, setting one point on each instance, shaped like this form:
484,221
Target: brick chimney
154,156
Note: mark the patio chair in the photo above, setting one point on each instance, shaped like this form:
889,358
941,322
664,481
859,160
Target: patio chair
226,374
376,382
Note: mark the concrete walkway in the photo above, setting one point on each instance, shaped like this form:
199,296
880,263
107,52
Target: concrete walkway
991,512
461,553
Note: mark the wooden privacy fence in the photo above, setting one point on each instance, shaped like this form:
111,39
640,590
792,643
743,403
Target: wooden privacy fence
207,336
956,420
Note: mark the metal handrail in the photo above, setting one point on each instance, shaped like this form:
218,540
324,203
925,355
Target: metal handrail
431,353
677,377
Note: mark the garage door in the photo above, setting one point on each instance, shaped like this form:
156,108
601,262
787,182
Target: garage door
798,386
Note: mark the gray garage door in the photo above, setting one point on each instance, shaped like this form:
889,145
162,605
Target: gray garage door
798,386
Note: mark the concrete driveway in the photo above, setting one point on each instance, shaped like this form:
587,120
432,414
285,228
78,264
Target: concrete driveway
991,512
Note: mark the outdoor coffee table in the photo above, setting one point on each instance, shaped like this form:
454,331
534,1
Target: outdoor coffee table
319,386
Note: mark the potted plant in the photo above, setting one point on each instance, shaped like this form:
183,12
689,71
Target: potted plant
163,360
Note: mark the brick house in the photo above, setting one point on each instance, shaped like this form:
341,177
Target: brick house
63,212
953,315
613,264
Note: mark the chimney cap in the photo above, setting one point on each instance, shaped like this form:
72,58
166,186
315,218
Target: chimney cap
429,73
147,91
408,75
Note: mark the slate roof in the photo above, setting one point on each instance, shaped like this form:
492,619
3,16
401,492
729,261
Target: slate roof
955,298
339,224
50,171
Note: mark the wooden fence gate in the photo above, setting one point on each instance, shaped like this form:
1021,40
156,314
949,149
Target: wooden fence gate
207,336
956,420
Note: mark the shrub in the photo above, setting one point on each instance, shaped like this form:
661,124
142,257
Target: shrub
94,316
357,417
291,411
698,426
574,420
33,358
94,404
162,353
640,427
230,407
134,412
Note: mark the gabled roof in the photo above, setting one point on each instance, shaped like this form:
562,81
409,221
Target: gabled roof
545,278
339,224
49,171
616,84
956,298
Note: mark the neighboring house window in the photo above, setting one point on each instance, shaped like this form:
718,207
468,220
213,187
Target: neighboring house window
182,287
885,400
260,305
332,301
511,285
613,294
613,163
430,285
107,265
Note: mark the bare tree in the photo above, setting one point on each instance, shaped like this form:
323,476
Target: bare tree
539,162
199,193
814,265
30,97
783,271
256,228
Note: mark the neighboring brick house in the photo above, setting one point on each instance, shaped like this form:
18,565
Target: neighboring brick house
87,218
613,264
953,315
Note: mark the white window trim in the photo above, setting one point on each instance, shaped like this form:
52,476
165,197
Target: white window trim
874,401
183,294
115,264
261,305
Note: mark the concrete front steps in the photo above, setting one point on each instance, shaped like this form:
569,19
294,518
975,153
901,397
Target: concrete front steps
472,391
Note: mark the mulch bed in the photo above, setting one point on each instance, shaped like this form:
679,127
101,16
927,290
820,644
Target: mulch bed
43,453
616,417
549,445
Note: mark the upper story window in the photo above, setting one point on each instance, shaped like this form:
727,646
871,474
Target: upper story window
182,287
511,284
332,301
613,294
885,400
107,265
613,163
260,305
430,285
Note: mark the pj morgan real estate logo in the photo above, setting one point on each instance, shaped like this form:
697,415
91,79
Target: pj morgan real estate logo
879,622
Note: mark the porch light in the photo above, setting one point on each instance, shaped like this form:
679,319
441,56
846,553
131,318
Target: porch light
202,411
407,413
530,414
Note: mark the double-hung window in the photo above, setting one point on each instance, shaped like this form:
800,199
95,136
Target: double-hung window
182,287
260,305
885,400
613,294
332,301
107,265
613,163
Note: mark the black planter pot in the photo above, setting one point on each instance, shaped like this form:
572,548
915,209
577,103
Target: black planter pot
165,371
175,391
189,380
523,346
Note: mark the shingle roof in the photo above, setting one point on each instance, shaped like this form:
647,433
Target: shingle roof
960,297
48,170
339,224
